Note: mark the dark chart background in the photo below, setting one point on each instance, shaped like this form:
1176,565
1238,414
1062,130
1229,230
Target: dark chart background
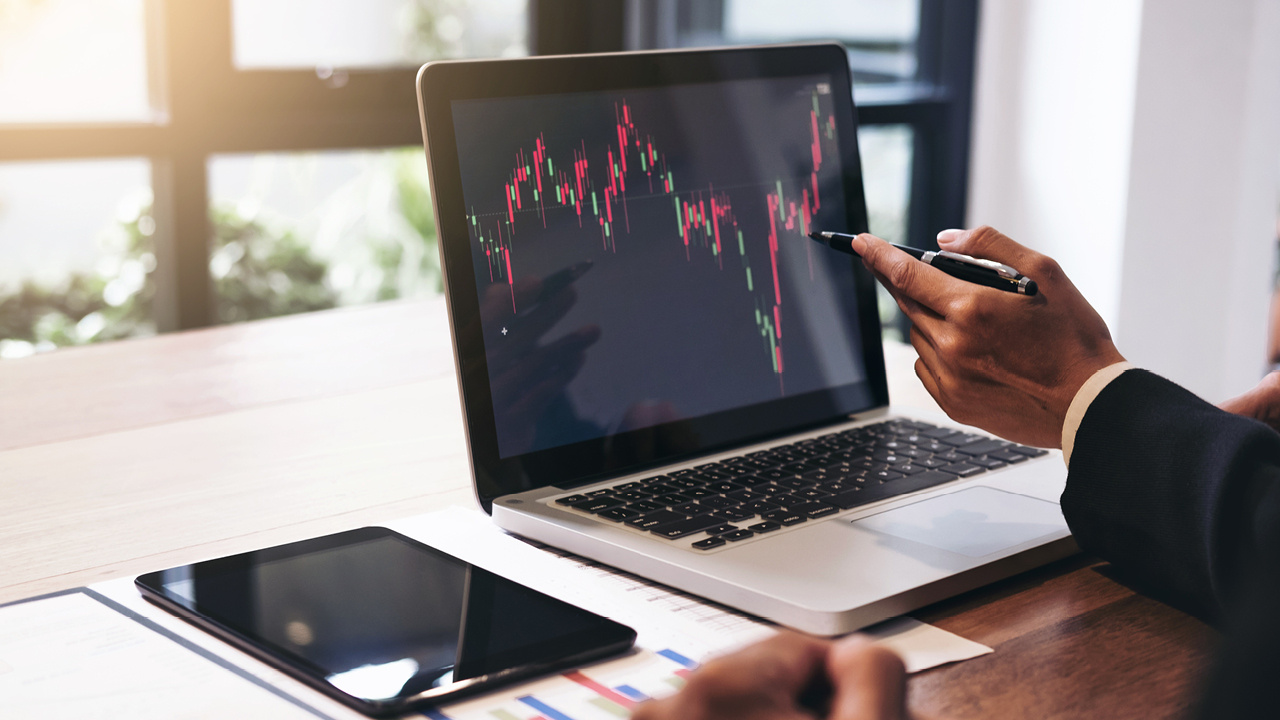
691,204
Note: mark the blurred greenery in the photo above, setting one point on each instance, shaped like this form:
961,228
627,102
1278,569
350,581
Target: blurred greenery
260,268
112,302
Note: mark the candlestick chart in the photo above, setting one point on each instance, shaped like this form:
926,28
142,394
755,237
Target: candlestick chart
627,184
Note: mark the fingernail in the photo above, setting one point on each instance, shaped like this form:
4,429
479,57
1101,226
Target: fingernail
949,235
859,243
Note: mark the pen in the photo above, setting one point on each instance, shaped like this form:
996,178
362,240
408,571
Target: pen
975,270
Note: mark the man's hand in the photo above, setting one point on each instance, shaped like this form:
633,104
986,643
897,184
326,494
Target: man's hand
1261,403
1007,363
767,681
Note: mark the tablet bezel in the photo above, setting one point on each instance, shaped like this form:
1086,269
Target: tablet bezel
606,639
441,83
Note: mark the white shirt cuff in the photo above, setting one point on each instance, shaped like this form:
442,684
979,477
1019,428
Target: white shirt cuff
1085,396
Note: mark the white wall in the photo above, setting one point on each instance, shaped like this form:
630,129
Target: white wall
1138,144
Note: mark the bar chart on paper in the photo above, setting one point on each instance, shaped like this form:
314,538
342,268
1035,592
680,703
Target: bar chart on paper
604,692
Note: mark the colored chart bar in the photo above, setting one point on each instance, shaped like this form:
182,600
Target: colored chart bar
436,715
676,657
615,698
610,707
632,693
545,709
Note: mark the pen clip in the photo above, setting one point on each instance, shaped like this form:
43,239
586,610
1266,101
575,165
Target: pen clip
1003,270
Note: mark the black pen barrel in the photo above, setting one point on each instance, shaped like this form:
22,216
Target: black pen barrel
974,274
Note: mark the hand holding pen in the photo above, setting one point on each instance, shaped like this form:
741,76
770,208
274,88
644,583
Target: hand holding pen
1007,363
975,270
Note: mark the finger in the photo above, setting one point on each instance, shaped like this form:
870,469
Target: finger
991,244
919,314
784,664
870,681
929,382
761,681
899,271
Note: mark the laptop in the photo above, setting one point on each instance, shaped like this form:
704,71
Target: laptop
660,371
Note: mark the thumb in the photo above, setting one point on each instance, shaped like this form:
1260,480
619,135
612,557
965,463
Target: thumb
988,243
870,681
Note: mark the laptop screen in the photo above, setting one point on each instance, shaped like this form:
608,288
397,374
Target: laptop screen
644,282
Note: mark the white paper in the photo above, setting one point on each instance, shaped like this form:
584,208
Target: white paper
663,617
676,631
71,656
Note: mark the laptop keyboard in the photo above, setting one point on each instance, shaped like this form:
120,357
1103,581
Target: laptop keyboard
760,492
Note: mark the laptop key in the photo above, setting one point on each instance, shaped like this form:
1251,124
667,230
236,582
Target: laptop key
764,527
812,494
908,468
724,486
885,475
732,515
786,501
717,502
745,495
784,517
760,506
594,505
646,506
871,493
737,535
982,448
672,499
774,474
629,485
963,469
809,508
771,489
735,470
721,529
963,439
684,483
1009,456
1028,451
951,456
619,514
699,493
990,463
630,495
654,519
940,433
753,480
796,483
711,542
931,463
599,493
571,499
680,528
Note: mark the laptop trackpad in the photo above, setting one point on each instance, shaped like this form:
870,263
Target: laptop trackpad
975,522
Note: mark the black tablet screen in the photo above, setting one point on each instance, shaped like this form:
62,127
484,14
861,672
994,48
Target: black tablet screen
641,257
380,617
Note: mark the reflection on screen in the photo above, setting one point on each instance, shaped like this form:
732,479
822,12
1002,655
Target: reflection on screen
641,256
384,619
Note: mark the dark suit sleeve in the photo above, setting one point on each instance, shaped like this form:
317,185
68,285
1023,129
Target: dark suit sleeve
1184,499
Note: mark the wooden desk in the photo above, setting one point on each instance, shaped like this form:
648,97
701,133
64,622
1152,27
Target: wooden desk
130,457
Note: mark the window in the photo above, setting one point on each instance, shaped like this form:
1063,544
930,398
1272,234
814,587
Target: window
232,159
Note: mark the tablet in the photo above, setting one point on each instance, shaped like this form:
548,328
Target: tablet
381,622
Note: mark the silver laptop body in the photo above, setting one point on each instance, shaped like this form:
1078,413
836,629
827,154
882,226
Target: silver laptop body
529,163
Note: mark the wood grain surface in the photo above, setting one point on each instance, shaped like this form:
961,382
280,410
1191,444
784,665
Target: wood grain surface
135,456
